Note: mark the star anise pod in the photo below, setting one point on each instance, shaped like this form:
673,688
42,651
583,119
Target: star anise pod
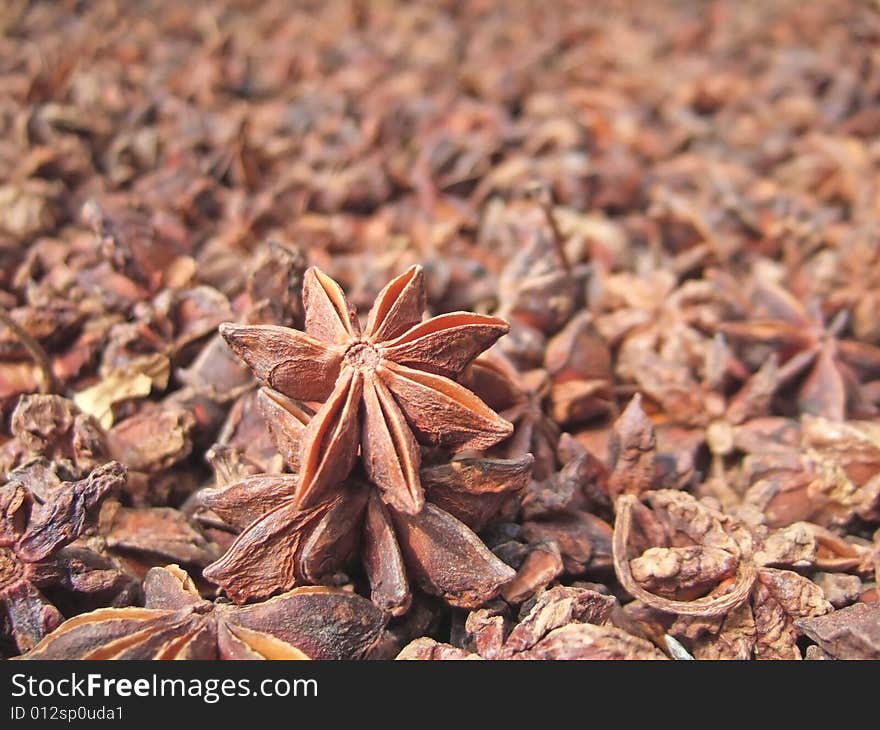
682,433
844,276
717,575
32,536
385,389
177,623
658,328
281,544
828,365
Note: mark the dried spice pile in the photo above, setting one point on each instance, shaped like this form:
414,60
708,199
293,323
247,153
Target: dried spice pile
450,330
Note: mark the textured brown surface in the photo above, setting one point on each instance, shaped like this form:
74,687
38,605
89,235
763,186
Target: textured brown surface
522,330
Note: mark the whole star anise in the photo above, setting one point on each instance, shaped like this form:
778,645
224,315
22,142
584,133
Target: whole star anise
384,389
280,544
177,623
829,365
298,528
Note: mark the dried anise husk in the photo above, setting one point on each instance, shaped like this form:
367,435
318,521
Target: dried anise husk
828,364
578,362
143,537
53,428
33,536
723,416
154,439
149,442
650,209
131,243
245,438
135,379
272,295
817,470
564,511
177,623
168,325
540,567
715,574
632,452
131,539
560,623
849,633
658,329
519,398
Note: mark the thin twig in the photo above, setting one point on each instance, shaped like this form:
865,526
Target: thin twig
558,238
37,353
541,194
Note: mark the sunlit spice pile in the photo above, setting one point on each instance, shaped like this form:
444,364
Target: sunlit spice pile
520,330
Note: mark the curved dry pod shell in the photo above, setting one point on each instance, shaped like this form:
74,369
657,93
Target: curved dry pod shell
286,421
114,633
263,559
448,559
714,604
317,623
289,361
323,623
240,503
445,345
389,587
473,490
398,307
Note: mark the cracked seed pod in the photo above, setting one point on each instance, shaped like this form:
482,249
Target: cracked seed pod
707,570
562,623
32,538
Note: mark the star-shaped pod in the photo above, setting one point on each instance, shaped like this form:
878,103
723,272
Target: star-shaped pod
177,623
385,389
280,544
